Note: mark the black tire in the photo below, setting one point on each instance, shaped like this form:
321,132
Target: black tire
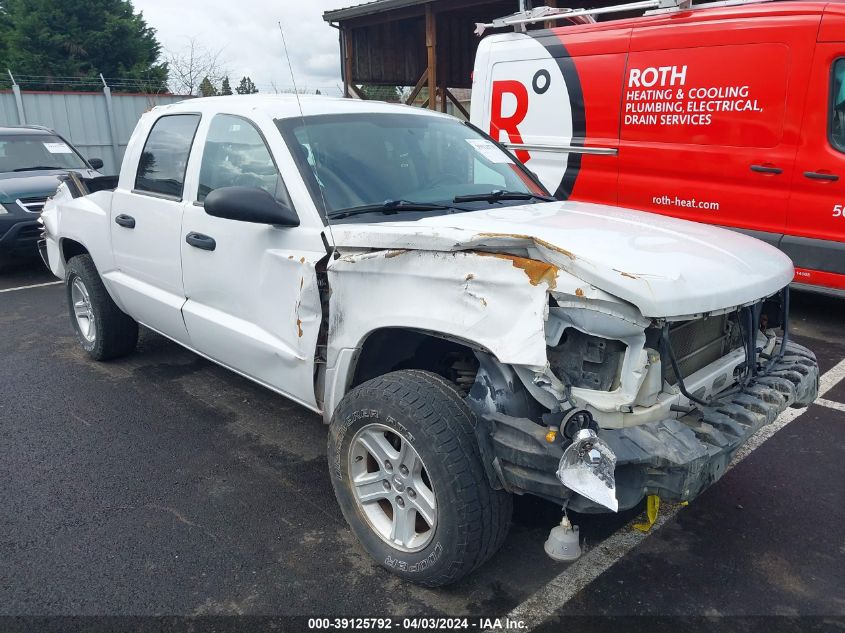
472,518
115,332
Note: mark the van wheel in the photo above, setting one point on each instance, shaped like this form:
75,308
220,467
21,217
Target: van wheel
408,476
103,330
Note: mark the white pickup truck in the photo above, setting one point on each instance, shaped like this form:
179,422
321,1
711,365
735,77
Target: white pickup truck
465,336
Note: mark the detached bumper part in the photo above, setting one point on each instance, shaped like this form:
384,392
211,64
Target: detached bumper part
587,466
42,251
675,459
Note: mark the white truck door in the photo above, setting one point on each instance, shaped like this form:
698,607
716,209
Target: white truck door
146,222
252,299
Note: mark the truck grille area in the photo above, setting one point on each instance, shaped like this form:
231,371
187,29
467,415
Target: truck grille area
33,205
30,232
700,342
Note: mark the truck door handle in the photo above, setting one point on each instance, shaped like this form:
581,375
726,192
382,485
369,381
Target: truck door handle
766,169
198,240
126,221
815,175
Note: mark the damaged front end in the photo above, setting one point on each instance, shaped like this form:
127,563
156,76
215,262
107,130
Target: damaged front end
628,407
671,370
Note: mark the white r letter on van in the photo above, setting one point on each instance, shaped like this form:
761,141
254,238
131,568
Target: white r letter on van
634,78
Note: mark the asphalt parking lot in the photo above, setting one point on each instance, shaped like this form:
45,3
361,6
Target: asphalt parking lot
163,484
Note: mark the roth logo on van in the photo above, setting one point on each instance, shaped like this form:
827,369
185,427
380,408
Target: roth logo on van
663,76
509,124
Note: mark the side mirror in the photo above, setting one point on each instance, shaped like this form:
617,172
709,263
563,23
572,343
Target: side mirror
249,204
96,163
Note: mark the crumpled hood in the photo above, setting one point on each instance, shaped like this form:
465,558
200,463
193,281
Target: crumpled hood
665,266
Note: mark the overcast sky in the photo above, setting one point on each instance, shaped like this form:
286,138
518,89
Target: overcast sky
248,33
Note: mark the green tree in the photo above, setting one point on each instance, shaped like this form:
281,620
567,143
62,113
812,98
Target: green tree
71,43
382,93
246,87
226,89
207,88
5,32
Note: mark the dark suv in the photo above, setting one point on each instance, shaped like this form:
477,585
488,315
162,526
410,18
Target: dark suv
32,159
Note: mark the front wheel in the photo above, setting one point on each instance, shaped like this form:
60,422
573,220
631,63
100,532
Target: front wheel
407,474
103,330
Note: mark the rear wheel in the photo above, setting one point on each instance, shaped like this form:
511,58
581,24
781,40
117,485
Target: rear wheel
103,330
407,474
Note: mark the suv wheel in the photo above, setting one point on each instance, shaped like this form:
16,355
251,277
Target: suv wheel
407,474
103,330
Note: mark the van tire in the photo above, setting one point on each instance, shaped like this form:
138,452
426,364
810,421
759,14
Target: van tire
422,408
113,333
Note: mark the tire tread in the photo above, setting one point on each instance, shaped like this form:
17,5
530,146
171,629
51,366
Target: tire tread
449,424
117,332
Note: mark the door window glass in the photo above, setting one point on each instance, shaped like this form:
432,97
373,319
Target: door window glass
837,106
165,156
235,155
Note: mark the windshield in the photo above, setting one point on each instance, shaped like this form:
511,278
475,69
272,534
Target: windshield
397,161
25,152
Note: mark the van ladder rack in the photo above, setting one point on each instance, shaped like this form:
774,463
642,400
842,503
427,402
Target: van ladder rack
650,7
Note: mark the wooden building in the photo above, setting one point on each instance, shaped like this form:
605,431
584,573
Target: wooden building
427,44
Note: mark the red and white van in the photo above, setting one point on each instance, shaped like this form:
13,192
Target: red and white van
730,115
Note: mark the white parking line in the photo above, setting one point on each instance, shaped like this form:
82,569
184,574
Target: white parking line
831,377
830,404
560,589
49,283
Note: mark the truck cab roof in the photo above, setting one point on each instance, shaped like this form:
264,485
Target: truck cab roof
286,106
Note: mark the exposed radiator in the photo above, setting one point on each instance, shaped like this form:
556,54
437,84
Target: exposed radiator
700,342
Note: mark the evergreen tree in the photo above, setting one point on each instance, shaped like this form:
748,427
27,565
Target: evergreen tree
382,93
80,40
226,89
207,88
246,87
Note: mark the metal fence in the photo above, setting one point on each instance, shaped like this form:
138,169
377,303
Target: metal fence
98,124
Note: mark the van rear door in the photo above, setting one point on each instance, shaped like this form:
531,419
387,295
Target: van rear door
709,126
815,237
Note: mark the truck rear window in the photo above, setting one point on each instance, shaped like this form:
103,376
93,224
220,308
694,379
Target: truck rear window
161,169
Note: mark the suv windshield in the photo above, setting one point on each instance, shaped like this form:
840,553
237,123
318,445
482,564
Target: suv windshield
391,162
25,152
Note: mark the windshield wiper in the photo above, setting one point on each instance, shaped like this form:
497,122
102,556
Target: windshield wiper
499,194
389,207
37,167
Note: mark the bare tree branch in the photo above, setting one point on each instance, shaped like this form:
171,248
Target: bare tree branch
193,63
